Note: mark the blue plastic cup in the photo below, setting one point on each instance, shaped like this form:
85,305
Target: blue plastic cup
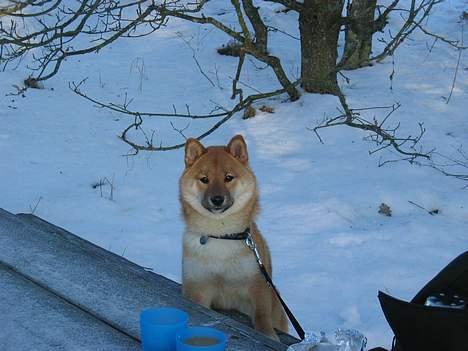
200,339
159,326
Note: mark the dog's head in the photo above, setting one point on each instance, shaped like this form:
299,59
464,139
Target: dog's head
217,180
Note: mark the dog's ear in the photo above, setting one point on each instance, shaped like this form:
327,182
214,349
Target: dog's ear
193,150
238,148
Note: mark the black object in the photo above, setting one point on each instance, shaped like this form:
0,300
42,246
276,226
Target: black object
431,328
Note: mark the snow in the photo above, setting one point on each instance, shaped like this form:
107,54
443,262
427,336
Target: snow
332,250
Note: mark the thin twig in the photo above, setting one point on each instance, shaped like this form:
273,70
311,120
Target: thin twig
33,209
384,137
194,56
454,76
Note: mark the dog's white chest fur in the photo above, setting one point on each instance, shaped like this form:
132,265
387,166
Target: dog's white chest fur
219,259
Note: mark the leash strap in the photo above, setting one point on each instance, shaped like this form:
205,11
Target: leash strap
246,236
252,246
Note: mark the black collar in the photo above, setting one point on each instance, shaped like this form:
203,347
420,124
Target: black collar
234,236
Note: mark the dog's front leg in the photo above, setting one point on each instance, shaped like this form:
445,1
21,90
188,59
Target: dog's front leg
198,292
262,318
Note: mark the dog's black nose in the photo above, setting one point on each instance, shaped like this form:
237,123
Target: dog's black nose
217,200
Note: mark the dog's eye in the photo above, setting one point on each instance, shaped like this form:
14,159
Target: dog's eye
228,178
204,180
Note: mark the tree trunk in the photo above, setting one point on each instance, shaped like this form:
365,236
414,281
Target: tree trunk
359,31
319,26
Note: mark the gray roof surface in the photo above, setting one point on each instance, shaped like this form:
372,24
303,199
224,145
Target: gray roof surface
61,292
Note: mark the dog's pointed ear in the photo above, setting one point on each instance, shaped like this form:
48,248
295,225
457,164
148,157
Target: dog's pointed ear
238,148
193,150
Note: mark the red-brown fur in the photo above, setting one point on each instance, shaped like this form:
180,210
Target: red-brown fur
224,274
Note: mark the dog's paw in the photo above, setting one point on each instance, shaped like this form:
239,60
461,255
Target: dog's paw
274,336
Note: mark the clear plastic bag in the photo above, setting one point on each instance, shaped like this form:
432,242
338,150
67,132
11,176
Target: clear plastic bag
350,340
345,340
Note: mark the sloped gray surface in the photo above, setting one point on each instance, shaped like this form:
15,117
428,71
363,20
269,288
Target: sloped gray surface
105,285
34,319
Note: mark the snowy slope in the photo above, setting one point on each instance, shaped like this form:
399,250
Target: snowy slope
332,250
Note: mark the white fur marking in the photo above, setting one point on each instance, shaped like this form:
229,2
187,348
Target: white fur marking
222,259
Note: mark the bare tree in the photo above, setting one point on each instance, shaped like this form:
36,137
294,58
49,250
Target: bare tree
54,32
260,29
104,21
320,22
55,27
319,26
359,31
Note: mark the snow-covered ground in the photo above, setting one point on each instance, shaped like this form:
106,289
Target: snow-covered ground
332,250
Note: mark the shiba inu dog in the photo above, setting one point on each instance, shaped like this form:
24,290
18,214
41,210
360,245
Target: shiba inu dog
219,197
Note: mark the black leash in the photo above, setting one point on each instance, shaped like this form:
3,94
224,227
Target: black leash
252,246
247,238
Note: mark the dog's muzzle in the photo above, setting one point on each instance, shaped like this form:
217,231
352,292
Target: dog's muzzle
217,203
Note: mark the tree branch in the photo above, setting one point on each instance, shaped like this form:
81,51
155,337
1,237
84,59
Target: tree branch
408,27
383,136
227,115
261,31
149,145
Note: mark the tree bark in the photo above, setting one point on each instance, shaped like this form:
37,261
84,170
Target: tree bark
319,26
358,35
261,32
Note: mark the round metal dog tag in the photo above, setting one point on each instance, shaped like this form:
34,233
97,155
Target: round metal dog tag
203,239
